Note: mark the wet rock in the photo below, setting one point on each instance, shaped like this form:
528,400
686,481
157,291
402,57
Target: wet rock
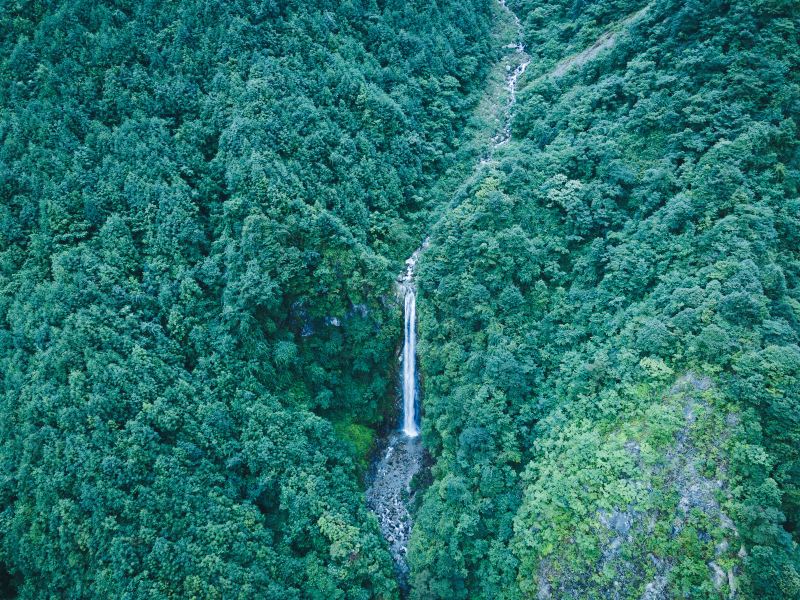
389,495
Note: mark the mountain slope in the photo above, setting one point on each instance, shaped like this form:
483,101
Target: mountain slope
639,231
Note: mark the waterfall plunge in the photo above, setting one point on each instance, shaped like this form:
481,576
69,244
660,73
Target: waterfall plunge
389,491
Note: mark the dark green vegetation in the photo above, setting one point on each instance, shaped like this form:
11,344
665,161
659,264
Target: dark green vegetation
203,205
610,319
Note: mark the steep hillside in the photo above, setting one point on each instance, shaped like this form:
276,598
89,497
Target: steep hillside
203,209
610,318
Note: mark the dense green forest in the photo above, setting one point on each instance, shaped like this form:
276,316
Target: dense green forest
204,205
203,209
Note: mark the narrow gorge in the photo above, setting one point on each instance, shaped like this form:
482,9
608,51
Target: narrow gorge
390,492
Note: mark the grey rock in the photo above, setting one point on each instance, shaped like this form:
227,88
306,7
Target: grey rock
731,584
389,494
717,574
722,547
656,589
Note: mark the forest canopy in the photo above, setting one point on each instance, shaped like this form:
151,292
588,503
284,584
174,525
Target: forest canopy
204,207
610,316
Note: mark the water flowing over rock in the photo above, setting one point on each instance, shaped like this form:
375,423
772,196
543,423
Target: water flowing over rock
410,427
389,493
409,358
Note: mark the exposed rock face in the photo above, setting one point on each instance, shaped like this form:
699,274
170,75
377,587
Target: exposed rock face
696,491
620,523
642,493
656,589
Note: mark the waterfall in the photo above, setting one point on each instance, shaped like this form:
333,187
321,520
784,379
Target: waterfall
410,426
409,358
389,492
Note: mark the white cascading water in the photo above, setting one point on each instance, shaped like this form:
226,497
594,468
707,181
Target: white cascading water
410,404
410,427
389,492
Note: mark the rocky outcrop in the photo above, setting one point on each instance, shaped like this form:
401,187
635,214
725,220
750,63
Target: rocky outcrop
645,502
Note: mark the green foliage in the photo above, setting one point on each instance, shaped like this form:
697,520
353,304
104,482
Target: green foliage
361,440
203,206
641,224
